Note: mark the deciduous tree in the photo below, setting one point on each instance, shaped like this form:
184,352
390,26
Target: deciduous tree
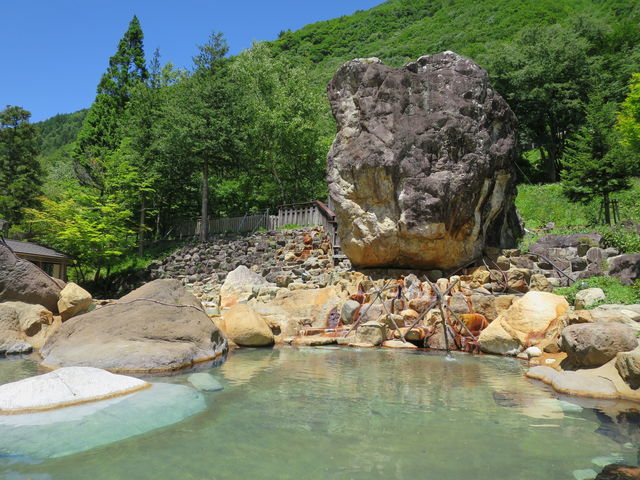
544,75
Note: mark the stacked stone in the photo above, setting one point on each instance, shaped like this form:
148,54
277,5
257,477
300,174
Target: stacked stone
287,258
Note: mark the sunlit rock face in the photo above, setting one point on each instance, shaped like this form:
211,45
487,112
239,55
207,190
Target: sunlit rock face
69,430
157,327
420,172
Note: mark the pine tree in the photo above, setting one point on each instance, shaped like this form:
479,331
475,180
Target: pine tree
596,164
20,172
100,133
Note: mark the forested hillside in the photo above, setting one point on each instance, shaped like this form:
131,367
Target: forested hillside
240,134
58,131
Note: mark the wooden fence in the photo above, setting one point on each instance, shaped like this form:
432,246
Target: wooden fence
314,213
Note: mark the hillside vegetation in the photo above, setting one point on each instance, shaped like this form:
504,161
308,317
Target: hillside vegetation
245,133
399,31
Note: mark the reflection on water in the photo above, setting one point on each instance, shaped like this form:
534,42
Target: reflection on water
330,412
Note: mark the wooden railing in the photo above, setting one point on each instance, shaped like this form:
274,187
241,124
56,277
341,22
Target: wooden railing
314,213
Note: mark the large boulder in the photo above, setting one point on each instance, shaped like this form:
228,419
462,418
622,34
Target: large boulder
291,311
628,366
531,320
238,286
23,326
420,170
625,267
245,327
160,326
73,300
22,281
495,339
594,344
12,339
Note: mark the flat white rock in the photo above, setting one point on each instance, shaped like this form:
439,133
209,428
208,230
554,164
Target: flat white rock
64,387
78,428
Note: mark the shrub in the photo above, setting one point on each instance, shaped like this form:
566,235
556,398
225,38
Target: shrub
613,290
625,240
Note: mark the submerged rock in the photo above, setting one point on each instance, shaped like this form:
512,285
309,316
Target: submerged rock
64,387
204,382
420,171
159,326
617,471
575,383
79,428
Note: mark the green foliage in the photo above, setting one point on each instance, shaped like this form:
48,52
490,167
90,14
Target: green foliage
285,137
629,117
126,68
101,131
543,74
596,164
20,172
290,226
94,231
59,131
614,291
626,240
199,128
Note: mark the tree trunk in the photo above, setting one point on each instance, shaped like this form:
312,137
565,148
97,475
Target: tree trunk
607,213
157,234
141,229
204,223
549,162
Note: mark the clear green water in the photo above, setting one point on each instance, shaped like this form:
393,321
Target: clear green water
339,413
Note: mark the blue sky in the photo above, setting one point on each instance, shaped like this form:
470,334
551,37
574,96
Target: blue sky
54,51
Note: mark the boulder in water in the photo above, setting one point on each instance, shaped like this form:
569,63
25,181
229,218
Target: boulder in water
66,431
160,326
64,387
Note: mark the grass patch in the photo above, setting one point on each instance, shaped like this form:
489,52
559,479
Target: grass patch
290,226
541,204
613,290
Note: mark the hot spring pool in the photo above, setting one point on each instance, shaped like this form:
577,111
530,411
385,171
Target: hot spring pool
340,413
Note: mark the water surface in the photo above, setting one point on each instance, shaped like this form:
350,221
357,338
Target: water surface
340,413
